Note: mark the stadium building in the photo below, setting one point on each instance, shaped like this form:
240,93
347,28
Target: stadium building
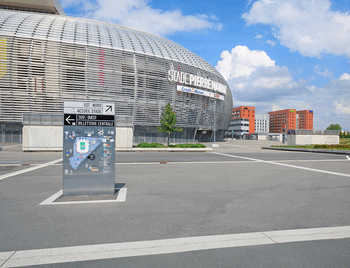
47,58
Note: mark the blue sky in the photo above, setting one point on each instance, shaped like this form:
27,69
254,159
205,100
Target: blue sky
274,54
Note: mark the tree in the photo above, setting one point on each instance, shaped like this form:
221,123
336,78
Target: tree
334,127
168,121
340,134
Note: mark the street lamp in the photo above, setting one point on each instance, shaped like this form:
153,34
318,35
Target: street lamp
214,120
215,145
284,133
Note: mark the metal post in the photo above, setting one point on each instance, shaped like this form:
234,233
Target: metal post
287,128
214,120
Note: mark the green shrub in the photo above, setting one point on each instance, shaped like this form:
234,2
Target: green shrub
150,145
190,145
143,145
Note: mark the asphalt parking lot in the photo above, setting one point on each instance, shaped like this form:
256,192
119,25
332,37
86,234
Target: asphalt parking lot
239,192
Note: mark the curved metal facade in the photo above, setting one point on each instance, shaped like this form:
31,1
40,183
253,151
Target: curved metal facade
47,59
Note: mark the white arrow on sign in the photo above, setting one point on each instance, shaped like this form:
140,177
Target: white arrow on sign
68,120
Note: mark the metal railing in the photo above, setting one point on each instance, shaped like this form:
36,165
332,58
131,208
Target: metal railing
313,132
42,120
124,121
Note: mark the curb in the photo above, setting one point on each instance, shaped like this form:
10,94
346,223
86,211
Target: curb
197,150
327,151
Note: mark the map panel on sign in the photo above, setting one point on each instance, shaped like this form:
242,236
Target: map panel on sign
83,147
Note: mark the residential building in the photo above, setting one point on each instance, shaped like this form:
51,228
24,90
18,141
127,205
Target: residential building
245,112
283,119
262,123
305,119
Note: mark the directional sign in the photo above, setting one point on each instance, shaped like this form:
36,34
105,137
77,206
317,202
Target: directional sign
88,148
69,119
108,108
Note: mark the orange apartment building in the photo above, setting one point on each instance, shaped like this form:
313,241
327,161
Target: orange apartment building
305,119
291,119
245,112
283,119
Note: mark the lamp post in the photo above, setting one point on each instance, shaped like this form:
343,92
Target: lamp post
286,131
214,120
215,145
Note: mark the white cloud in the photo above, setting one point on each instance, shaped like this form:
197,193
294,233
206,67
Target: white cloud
342,107
276,107
310,27
340,90
256,80
311,88
249,2
325,73
259,36
340,86
344,76
242,62
270,42
253,75
139,14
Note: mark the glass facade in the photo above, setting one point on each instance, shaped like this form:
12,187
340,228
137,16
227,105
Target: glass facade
47,59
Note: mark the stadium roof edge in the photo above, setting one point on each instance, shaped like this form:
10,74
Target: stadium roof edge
45,6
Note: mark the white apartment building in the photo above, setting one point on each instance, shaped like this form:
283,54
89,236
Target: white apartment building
238,127
262,123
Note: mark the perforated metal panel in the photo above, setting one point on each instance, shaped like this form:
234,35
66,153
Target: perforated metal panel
47,59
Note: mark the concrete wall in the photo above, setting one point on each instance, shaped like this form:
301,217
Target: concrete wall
312,139
42,138
50,138
275,137
262,137
124,137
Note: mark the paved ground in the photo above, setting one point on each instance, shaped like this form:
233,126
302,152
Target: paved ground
237,189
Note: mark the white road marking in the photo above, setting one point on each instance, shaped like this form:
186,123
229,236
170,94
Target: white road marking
244,146
122,195
167,246
208,162
11,146
50,201
29,169
186,163
348,157
237,162
286,165
4,256
232,162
